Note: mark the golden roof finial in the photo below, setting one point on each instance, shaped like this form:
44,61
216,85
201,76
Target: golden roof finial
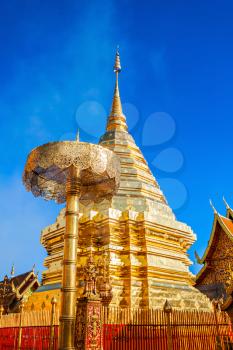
13,270
225,202
116,120
212,206
198,259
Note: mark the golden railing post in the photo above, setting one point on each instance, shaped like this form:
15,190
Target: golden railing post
20,326
68,295
51,338
168,310
220,345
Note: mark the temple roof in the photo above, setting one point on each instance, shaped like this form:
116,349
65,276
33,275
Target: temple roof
13,289
229,213
226,224
18,280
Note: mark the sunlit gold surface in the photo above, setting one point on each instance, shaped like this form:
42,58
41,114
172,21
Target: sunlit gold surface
48,166
74,172
68,301
146,245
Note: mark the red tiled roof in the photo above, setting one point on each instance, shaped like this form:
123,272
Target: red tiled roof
228,223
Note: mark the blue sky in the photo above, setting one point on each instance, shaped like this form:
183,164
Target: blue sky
56,64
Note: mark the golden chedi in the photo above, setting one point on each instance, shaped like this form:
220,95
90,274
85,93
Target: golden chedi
136,229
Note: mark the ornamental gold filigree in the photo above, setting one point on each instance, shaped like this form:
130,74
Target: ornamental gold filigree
71,171
47,168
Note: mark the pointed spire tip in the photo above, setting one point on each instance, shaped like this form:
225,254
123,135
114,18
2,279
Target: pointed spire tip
117,65
116,119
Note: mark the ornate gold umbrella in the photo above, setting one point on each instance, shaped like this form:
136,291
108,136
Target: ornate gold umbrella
71,171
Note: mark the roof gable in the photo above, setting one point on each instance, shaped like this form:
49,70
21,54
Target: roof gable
227,226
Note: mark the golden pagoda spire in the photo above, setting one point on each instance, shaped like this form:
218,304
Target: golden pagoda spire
116,119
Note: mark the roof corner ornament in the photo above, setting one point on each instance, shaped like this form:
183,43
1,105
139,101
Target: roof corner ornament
198,259
33,268
212,206
12,270
225,202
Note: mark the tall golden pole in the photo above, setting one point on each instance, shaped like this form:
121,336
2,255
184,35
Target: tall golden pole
71,171
20,326
51,338
68,296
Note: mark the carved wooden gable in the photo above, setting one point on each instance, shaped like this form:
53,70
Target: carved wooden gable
219,259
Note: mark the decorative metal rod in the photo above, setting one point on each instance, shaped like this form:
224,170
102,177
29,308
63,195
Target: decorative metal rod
70,172
20,326
68,296
51,338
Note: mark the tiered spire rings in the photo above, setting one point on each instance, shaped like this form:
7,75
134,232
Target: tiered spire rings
116,120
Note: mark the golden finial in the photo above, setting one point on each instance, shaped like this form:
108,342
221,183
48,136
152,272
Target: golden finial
116,120
13,270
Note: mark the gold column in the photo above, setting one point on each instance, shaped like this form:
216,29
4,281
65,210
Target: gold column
53,171
51,338
20,326
68,296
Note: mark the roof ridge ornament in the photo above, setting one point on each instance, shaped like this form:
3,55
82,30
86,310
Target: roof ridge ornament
212,206
198,259
33,268
12,270
225,202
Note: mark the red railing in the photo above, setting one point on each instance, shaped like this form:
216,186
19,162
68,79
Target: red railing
157,330
33,338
